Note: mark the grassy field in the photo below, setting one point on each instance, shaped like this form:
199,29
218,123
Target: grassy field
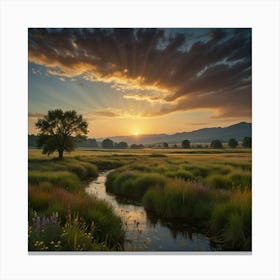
211,188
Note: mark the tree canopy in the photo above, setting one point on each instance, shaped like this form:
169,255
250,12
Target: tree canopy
186,144
232,143
165,145
107,144
247,142
57,130
137,146
122,145
216,144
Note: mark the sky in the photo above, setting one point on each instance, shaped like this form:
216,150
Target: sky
141,81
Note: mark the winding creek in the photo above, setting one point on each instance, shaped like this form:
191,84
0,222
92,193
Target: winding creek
144,232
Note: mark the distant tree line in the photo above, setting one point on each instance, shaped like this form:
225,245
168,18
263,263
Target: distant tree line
217,144
60,131
109,144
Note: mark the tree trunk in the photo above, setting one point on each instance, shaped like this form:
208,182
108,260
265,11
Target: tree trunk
60,154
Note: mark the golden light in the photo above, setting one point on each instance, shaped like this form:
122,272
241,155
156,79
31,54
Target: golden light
136,132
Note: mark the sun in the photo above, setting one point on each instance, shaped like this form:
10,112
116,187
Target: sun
136,132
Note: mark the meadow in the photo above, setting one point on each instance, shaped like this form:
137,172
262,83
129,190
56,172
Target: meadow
205,187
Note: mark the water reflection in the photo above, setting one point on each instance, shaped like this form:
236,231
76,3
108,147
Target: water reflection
144,231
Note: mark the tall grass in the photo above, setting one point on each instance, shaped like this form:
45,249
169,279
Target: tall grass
108,225
232,222
47,233
213,190
181,199
57,187
133,184
61,179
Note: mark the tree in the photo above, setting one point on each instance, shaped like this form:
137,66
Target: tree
57,130
122,145
232,143
216,144
107,144
89,143
247,142
165,145
136,146
186,144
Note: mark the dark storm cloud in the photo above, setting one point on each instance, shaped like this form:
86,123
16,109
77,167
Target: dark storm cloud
213,72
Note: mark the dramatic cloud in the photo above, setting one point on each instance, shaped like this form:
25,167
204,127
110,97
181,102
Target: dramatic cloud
176,70
117,113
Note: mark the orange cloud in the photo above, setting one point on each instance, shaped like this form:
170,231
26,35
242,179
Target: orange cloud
155,65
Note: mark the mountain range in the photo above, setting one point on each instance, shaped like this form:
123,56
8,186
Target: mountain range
237,131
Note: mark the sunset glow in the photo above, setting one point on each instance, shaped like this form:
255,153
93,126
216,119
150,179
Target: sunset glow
162,80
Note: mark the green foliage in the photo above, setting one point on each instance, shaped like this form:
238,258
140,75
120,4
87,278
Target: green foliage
61,179
232,143
56,131
247,142
46,233
133,184
157,155
122,145
241,179
216,144
75,236
107,144
186,144
231,220
137,146
210,190
82,169
180,199
218,181
55,186
165,145
183,174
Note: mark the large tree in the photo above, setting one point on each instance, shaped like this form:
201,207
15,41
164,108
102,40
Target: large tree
59,130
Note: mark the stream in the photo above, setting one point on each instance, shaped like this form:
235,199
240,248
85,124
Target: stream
144,232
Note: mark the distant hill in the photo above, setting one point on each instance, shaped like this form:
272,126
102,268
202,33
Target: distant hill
237,131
